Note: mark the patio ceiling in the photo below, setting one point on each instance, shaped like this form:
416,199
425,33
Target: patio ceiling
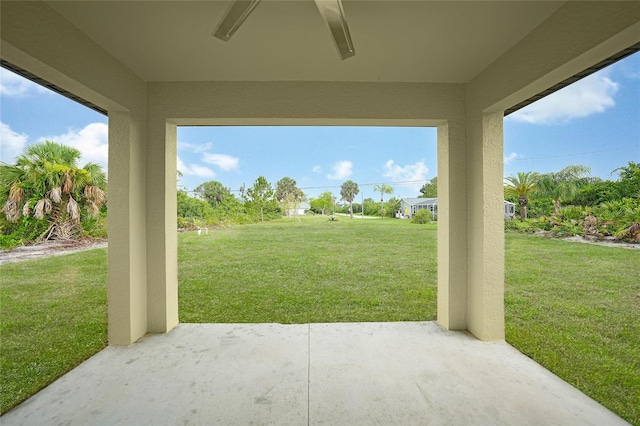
395,41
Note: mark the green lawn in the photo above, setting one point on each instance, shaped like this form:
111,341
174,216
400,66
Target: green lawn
53,316
574,308
309,271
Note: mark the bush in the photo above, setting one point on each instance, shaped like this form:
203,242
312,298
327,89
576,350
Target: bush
619,219
537,207
422,217
23,232
511,225
96,227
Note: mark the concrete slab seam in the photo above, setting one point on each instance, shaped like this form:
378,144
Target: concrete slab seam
308,374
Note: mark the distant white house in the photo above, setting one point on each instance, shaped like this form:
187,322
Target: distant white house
410,206
509,210
301,209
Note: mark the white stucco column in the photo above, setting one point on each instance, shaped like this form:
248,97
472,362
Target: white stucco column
452,226
127,266
485,195
161,226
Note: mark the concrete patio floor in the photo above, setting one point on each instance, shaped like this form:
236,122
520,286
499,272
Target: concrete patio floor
316,374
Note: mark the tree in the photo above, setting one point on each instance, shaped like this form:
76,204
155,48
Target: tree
629,182
260,194
430,190
322,203
193,211
289,195
46,182
393,205
348,192
231,210
213,192
382,189
369,207
596,192
521,186
563,184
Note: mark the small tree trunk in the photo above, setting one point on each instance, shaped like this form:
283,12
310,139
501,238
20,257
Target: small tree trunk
523,201
523,213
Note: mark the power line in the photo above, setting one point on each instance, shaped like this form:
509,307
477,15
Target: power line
402,182
578,153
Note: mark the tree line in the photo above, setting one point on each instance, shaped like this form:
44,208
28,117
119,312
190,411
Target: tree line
213,203
571,202
45,194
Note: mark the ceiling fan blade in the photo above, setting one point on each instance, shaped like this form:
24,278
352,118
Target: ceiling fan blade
235,16
333,14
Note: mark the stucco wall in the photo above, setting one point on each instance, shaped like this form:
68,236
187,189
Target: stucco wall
579,35
36,38
142,283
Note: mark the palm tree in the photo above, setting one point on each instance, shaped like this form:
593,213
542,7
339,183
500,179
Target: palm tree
348,192
521,186
563,184
382,189
287,193
46,182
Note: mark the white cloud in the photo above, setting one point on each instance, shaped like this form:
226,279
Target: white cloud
411,172
198,148
195,170
92,141
341,170
508,159
317,169
225,162
12,143
591,95
12,84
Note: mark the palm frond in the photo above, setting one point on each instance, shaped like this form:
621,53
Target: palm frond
95,194
52,152
56,194
93,209
42,208
11,210
26,210
72,209
67,182
16,193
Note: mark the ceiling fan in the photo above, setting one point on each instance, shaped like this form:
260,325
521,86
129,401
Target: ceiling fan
331,11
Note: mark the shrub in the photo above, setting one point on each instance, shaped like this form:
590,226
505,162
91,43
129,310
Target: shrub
422,216
96,227
573,213
26,231
511,225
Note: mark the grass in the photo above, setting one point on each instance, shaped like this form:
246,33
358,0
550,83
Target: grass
310,271
53,316
574,308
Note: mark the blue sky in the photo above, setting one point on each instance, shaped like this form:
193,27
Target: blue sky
594,122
